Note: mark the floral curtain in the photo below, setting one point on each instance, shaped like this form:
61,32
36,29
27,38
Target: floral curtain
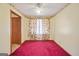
39,29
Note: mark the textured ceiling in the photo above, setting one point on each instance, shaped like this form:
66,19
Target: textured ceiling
46,9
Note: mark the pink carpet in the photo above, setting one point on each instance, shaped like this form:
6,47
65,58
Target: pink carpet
40,48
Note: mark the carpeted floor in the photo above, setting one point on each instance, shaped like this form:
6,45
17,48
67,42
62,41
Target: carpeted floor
40,48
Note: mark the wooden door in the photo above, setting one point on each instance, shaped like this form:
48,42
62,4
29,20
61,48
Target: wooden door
16,30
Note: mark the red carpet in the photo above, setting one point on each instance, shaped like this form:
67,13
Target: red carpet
40,48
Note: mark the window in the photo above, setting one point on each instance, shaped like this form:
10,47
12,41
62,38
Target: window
39,28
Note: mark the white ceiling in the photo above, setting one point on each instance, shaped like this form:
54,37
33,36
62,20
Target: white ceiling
46,9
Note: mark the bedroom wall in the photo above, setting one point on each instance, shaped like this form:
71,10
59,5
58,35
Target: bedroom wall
5,27
65,28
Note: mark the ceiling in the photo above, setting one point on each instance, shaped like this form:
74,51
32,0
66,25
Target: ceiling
39,9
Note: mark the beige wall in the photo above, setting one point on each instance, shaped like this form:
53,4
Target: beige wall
65,28
5,27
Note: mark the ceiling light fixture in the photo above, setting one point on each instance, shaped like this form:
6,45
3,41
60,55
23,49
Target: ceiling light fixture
39,5
38,8
38,11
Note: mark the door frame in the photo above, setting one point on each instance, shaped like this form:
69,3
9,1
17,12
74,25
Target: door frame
11,11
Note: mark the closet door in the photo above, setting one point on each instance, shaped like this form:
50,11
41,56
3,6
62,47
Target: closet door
16,30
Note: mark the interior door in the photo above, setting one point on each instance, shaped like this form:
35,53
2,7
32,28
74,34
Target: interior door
16,30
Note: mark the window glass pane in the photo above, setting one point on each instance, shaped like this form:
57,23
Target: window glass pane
39,27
